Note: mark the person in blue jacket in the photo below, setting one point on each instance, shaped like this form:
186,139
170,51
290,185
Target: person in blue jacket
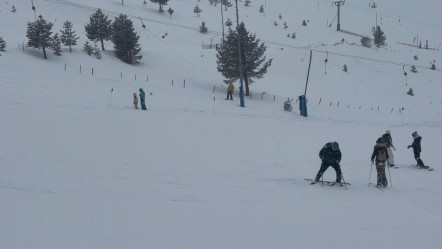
142,99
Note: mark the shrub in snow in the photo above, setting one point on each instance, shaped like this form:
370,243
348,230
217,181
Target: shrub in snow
13,9
88,48
285,25
366,42
416,58
261,9
413,69
294,35
247,3
433,66
2,44
304,23
228,23
203,28
344,68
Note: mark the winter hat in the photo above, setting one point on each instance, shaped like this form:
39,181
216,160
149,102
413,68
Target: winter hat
335,146
387,132
414,134
141,90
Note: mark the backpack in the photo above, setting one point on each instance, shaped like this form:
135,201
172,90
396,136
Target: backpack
382,154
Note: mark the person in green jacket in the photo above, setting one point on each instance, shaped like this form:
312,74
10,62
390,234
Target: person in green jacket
142,99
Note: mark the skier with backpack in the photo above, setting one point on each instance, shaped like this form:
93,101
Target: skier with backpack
380,156
416,145
330,155
389,142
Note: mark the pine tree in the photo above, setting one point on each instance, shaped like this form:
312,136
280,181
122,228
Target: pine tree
247,3
344,68
170,11
203,28
68,36
13,9
304,23
2,44
39,34
99,27
125,40
88,48
379,37
433,66
229,22
197,10
261,9
56,44
226,3
413,69
254,64
161,3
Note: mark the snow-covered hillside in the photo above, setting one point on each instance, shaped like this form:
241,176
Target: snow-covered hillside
80,168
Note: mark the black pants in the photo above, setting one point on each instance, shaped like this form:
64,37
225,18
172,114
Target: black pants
143,105
417,156
229,94
382,178
324,167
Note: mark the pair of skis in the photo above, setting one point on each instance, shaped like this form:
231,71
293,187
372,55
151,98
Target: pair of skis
328,183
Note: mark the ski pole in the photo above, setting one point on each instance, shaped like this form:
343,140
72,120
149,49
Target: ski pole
343,179
369,178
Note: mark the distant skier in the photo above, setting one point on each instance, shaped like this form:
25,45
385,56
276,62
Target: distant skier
135,101
142,99
230,90
416,145
389,142
380,153
330,155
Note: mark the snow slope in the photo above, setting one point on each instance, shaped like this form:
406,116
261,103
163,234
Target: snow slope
80,168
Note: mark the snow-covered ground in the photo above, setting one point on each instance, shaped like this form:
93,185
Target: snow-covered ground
80,168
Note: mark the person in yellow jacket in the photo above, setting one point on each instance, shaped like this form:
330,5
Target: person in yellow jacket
230,90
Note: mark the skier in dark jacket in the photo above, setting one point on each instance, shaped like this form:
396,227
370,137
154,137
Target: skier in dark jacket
330,155
380,153
142,99
416,145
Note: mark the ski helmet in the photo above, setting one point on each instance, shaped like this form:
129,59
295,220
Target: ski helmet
414,134
387,132
335,146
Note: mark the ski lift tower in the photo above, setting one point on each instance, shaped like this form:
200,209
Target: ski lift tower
339,4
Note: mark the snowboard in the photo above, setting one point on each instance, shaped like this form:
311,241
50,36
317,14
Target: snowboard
329,183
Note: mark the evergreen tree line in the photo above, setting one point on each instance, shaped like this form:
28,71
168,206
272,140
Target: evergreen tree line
100,28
